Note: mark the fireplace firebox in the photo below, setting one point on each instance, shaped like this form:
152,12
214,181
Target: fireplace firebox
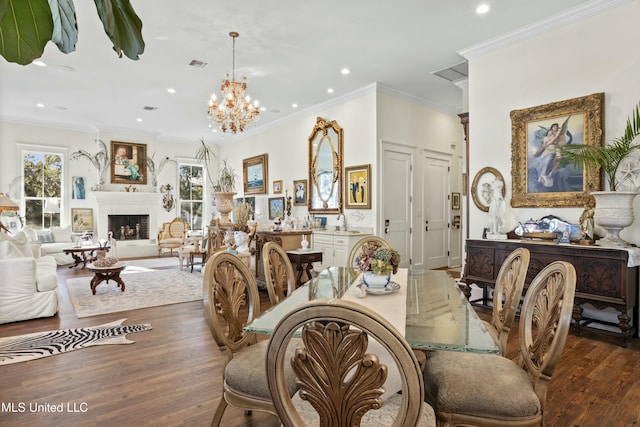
129,227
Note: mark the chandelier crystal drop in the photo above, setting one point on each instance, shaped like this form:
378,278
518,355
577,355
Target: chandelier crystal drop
235,111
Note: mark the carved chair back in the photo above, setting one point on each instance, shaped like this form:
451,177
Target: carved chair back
278,272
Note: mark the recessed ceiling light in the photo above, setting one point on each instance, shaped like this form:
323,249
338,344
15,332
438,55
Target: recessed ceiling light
330,90
40,105
39,63
482,9
345,71
138,120
294,105
171,90
263,109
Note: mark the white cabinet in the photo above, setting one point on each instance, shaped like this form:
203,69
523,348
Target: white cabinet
335,247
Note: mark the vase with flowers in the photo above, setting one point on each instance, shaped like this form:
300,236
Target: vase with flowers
377,265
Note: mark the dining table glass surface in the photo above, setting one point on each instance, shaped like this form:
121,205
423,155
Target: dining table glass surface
438,315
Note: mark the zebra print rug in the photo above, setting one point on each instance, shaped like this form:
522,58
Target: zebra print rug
42,344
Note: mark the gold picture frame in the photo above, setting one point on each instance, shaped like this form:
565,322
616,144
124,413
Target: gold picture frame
357,187
277,186
481,187
276,208
540,178
81,220
255,174
455,201
300,192
128,163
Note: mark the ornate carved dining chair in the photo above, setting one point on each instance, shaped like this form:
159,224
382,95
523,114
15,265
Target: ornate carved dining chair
489,390
341,380
230,301
366,243
172,235
506,296
278,272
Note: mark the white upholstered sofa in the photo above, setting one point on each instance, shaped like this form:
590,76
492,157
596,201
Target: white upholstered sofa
53,241
28,282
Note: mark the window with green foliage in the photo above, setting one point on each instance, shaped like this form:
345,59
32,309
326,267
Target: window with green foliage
42,172
191,194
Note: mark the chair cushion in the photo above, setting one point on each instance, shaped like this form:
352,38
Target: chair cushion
383,417
246,373
483,385
174,241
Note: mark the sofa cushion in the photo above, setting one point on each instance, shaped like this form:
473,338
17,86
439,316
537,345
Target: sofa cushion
20,242
46,277
61,234
9,250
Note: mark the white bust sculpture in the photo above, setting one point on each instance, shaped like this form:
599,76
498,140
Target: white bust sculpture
241,241
497,208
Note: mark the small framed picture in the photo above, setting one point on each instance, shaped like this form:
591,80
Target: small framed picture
357,187
81,220
455,201
277,187
300,192
276,208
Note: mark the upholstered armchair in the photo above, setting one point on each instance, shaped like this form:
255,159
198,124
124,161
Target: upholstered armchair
172,235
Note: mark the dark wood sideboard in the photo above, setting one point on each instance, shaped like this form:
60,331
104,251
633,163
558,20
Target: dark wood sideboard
604,278
287,239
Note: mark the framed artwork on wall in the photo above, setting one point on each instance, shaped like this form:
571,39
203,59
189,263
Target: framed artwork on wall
276,207
358,190
81,220
77,188
277,187
300,192
128,163
255,174
481,187
540,177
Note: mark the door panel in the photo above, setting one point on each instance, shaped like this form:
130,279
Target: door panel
436,209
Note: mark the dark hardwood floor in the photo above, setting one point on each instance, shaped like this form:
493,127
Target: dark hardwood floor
171,375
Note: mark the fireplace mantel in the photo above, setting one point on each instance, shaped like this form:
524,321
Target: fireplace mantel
126,203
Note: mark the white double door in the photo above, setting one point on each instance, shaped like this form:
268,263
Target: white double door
415,216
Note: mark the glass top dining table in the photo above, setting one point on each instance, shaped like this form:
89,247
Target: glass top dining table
438,315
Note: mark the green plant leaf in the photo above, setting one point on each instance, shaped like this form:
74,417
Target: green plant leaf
123,26
25,29
65,26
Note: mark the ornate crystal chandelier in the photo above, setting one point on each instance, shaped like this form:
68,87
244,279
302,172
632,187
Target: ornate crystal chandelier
235,111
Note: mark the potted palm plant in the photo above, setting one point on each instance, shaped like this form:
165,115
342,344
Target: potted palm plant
614,208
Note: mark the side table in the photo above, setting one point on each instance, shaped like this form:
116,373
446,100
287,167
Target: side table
102,274
303,259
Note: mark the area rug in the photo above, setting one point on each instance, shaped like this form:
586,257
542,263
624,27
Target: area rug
42,344
142,289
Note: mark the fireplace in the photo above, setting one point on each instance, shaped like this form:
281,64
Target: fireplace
129,227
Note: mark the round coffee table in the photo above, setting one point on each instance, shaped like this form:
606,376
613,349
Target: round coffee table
102,274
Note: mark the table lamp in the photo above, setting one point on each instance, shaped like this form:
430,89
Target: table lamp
6,204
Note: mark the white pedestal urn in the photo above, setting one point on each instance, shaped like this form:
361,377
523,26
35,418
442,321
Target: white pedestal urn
224,205
613,212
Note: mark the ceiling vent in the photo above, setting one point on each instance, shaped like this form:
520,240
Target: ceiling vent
454,73
148,108
198,64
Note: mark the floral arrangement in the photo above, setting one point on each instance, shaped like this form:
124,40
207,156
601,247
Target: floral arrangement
379,260
241,213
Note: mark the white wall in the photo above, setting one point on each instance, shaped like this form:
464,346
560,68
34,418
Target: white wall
597,54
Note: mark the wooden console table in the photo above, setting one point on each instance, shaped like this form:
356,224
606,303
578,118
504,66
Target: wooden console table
287,239
605,277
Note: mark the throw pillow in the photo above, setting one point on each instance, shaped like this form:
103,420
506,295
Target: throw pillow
20,242
45,236
32,235
9,250
61,235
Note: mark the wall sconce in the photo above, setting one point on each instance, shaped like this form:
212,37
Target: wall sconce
167,199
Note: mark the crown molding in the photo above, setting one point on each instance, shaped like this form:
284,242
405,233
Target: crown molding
554,22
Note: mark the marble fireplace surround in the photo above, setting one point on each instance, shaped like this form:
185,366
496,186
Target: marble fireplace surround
126,203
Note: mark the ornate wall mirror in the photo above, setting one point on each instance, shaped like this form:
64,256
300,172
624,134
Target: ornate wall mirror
325,167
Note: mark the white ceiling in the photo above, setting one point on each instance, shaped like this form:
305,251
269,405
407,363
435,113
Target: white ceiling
291,51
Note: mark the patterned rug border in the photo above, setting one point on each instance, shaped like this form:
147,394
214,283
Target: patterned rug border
143,289
21,348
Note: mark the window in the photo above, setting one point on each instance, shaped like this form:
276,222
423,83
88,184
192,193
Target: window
191,194
42,172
